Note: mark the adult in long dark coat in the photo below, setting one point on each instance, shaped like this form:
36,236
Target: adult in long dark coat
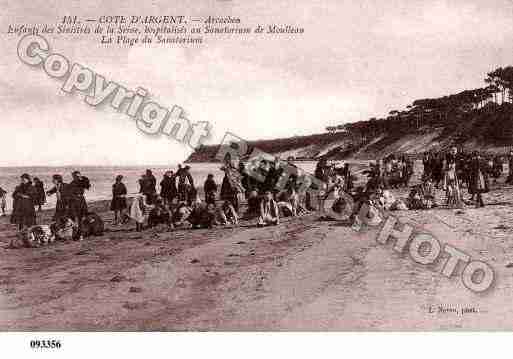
168,190
437,169
77,202
148,184
61,190
118,204
210,189
479,182
23,213
498,167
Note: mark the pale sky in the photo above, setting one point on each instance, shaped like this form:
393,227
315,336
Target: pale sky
356,59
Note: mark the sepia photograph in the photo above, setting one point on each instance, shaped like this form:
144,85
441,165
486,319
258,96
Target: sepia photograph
231,167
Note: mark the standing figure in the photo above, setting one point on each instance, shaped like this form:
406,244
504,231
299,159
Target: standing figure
210,189
232,183
148,184
498,167
451,182
3,202
40,193
427,162
348,178
23,212
118,203
250,183
509,180
437,170
168,188
77,202
61,190
185,185
479,182
140,211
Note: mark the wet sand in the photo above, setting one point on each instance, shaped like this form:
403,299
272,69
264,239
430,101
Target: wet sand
304,274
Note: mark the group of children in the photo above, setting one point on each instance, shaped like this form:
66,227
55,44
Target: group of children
184,208
457,169
179,205
71,220
450,171
391,172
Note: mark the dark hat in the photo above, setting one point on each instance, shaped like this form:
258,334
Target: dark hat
25,176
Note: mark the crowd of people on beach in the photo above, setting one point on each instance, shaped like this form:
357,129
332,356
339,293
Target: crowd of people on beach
449,171
178,204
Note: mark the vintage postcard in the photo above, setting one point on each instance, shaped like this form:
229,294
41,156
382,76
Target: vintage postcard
270,165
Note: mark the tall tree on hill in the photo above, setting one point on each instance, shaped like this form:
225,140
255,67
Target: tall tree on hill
502,79
507,78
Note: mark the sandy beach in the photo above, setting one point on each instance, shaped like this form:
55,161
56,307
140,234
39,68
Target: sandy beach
304,274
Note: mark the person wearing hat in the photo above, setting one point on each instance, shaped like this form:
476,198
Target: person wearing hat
77,202
61,190
23,213
118,204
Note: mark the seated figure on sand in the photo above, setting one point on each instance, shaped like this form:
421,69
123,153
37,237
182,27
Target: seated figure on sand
227,214
38,235
159,214
269,212
288,200
203,215
181,215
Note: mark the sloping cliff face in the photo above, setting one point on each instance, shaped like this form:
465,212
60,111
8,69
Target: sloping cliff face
489,130
300,147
